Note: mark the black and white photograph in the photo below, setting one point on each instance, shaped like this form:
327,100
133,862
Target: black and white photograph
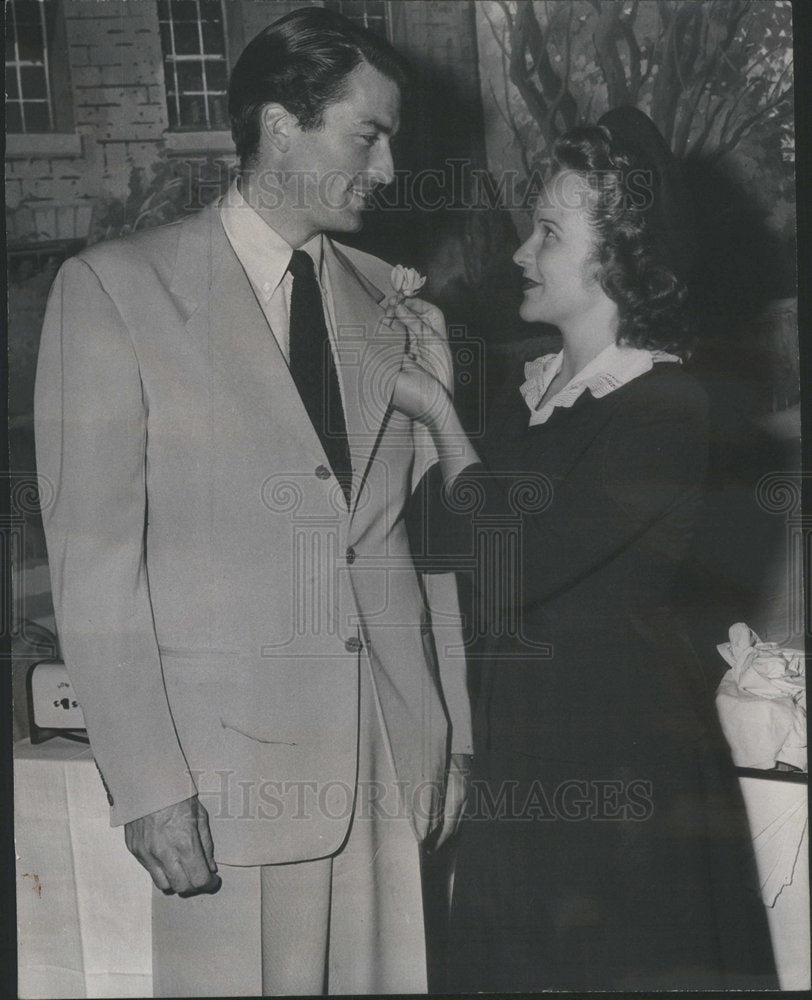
405,541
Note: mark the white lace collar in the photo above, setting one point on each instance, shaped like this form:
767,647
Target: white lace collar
616,365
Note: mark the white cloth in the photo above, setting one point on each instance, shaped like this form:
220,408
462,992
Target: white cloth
777,814
83,902
762,701
777,847
616,365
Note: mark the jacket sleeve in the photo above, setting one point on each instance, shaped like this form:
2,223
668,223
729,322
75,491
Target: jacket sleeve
440,587
446,626
641,484
91,434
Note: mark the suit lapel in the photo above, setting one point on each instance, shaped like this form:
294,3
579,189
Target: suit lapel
368,356
225,316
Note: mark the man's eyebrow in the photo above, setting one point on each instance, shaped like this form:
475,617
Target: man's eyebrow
385,129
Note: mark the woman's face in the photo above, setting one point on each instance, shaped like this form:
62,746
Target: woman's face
560,275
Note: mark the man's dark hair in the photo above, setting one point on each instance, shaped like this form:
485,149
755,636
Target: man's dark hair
302,61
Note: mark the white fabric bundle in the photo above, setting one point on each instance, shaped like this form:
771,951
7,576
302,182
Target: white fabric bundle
761,701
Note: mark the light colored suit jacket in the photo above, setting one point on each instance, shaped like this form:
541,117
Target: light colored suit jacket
215,598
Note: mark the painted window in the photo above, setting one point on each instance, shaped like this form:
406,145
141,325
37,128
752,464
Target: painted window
372,14
28,85
193,38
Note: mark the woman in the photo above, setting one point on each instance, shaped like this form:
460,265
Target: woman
605,844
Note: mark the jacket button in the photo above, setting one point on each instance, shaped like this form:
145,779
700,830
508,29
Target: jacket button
322,472
350,555
353,645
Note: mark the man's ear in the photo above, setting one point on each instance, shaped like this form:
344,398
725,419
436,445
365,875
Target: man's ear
276,124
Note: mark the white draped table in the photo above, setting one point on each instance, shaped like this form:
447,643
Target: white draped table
777,811
84,904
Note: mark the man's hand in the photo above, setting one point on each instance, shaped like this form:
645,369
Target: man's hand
456,792
175,846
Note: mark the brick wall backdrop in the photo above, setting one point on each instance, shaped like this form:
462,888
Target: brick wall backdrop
118,107
119,111
118,99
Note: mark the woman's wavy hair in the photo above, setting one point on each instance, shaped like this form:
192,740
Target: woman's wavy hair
639,269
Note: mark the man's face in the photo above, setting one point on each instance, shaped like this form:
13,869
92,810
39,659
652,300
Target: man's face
329,173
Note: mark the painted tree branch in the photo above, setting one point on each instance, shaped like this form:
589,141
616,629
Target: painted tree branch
707,72
730,140
531,39
608,57
626,28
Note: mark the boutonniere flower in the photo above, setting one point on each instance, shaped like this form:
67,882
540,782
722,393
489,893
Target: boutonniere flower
406,281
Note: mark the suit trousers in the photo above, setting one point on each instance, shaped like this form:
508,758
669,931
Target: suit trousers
350,923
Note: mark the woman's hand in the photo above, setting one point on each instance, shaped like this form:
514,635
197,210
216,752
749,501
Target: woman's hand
424,331
426,368
421,388
419,395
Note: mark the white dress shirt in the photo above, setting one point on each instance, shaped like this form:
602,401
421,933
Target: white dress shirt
265,256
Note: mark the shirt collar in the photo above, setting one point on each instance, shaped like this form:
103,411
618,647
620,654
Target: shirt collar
263,253
616,365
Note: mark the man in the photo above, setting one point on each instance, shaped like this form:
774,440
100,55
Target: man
235,596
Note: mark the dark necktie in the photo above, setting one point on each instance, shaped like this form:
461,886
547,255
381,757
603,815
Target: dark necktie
313,368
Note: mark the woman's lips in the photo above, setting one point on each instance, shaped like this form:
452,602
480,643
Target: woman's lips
527,284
